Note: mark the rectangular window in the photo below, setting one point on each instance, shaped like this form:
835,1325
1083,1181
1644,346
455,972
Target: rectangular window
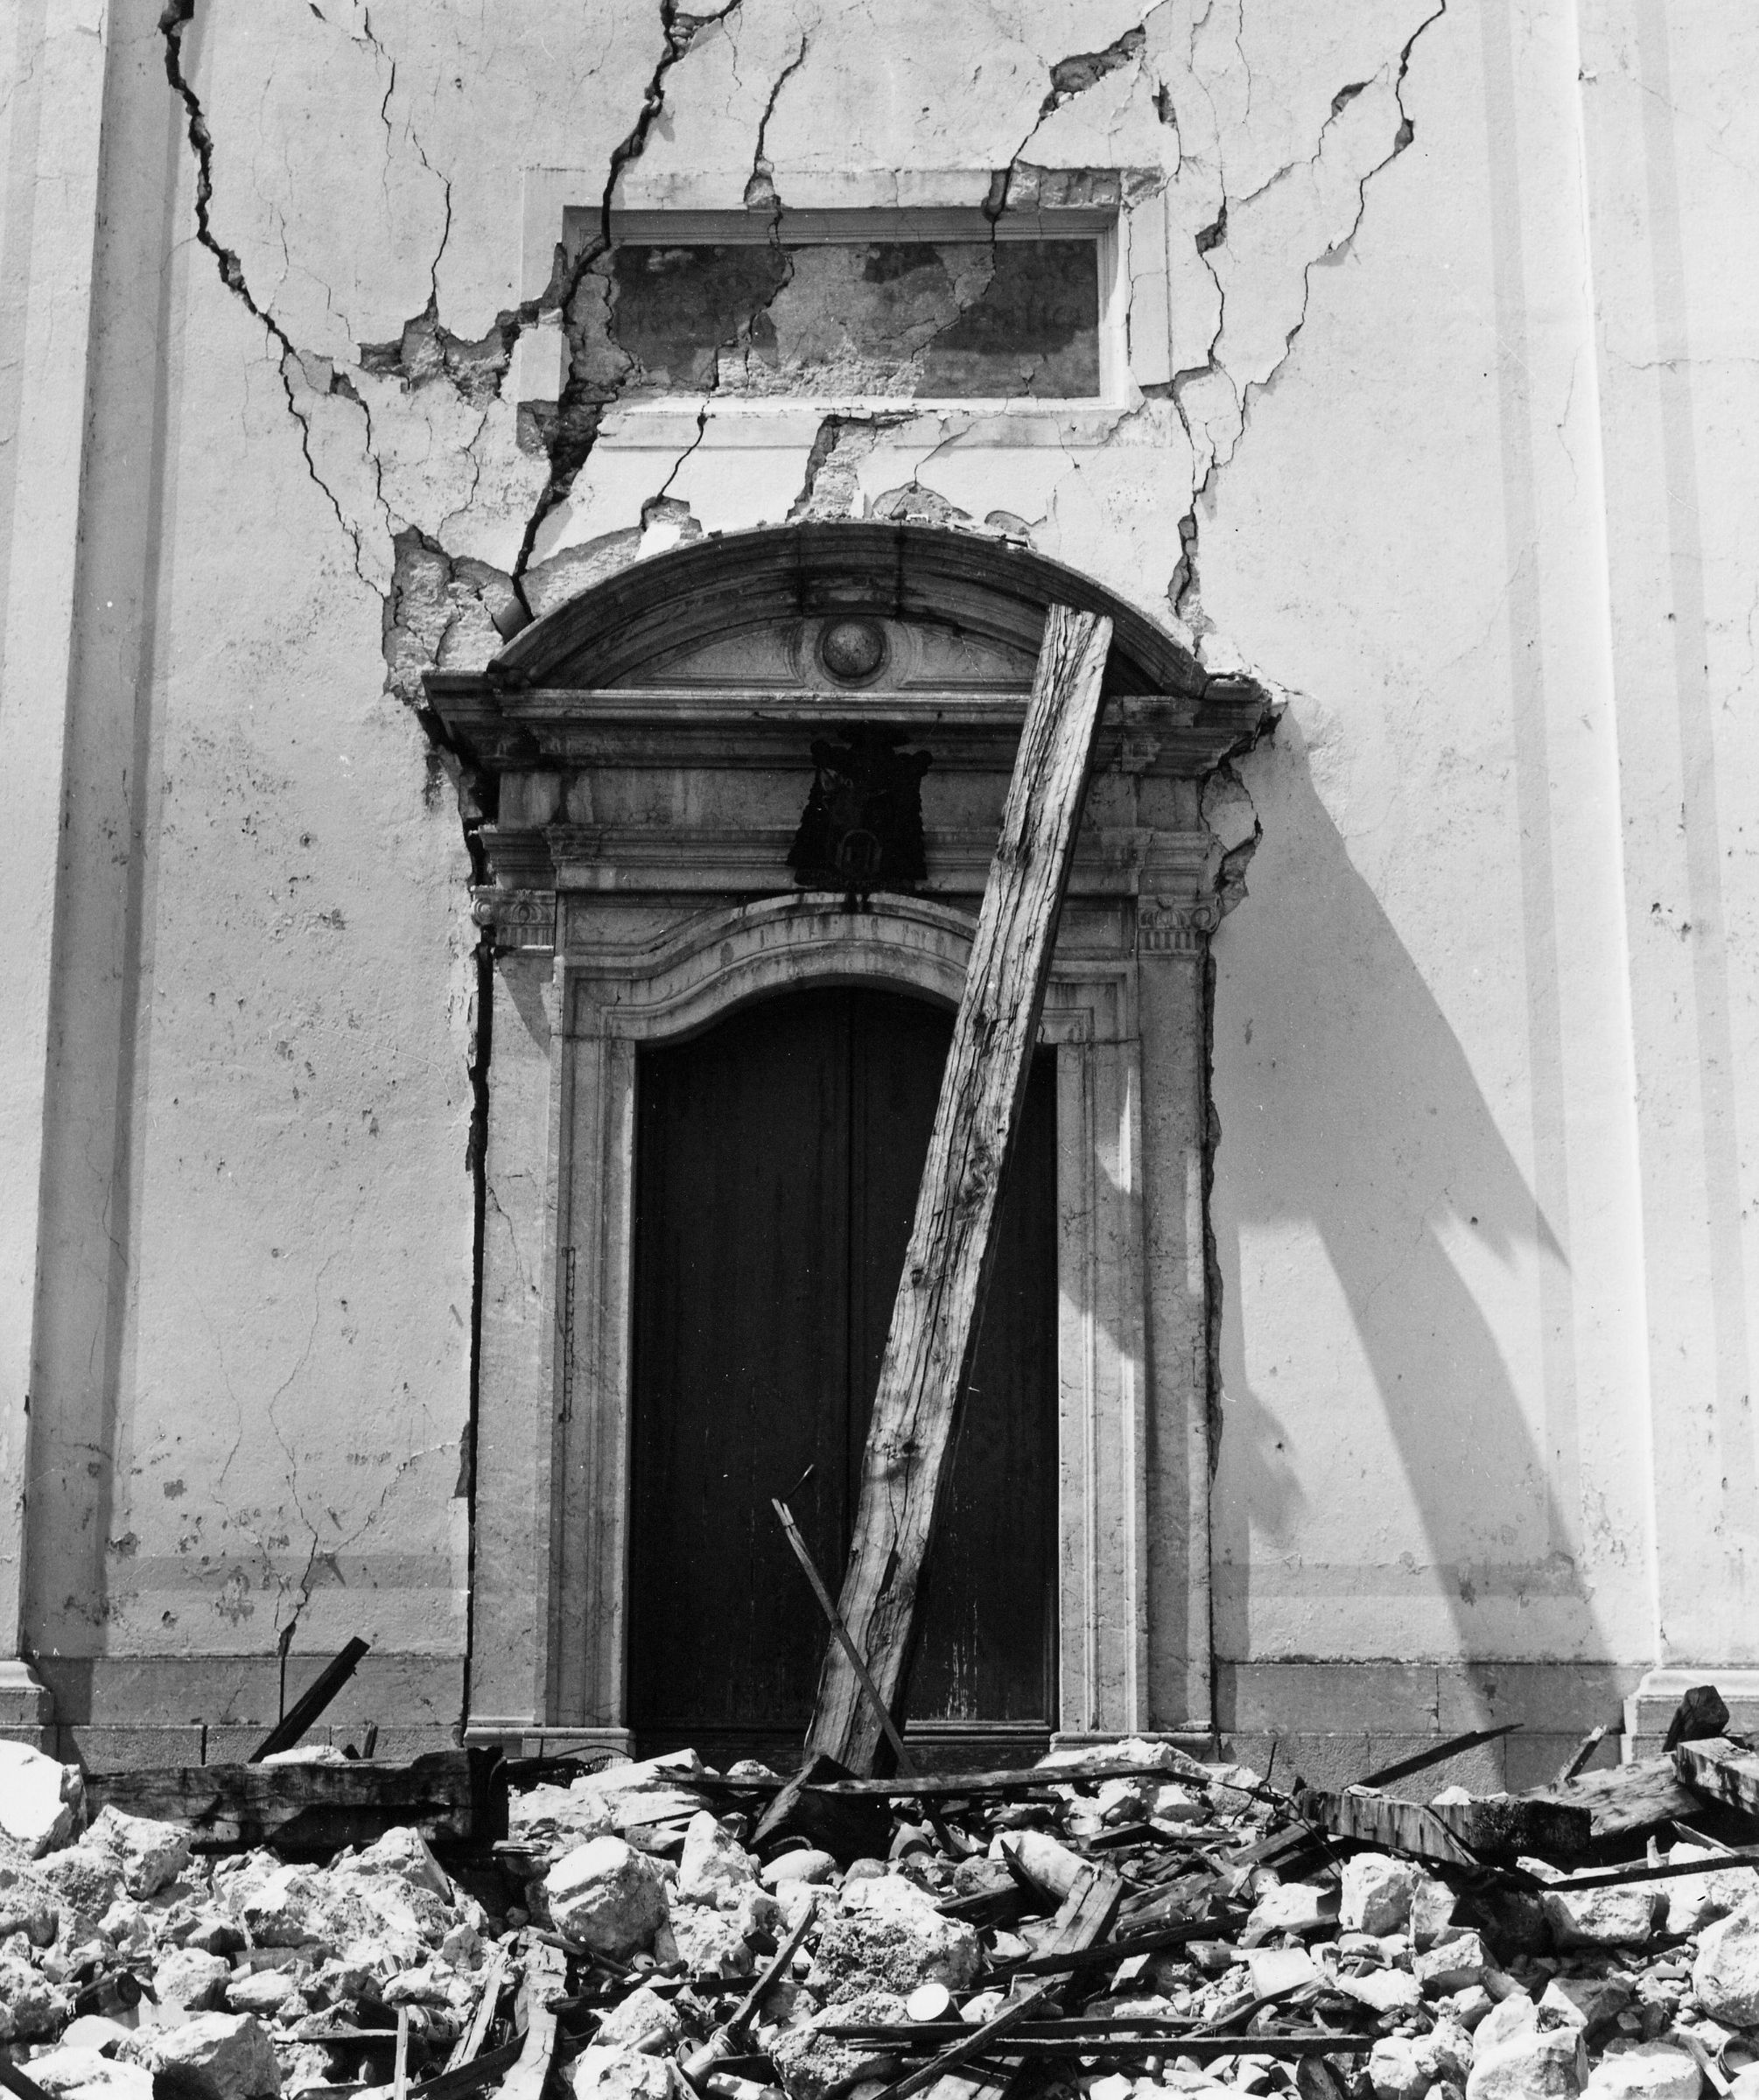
850,306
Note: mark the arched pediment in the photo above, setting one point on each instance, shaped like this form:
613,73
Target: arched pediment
975,608
719,654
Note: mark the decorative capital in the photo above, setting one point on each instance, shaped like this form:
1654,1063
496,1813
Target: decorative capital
517,918
1164,928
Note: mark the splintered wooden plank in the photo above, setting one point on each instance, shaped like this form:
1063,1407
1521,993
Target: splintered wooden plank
1087,1911
1402,1826
1721,1770
1626,1799
1460,1831
905,1465
546,1973
1084,1918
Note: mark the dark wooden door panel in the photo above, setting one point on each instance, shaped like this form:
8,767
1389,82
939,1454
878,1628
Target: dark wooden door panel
985,1651
778,1159
740,1350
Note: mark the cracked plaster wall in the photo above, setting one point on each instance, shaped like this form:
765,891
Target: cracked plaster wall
346,420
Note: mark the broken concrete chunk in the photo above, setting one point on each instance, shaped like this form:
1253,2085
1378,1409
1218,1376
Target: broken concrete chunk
1384,1990
891,1938
1375,1894
1515,2015
188,1978
1451,1964
1603,1917
404,1855
214,1932
1695,1900
1725,1974
87,1875
82,2073
39,1798
1652,2070
710,1945
1295,1907
618,2073
28,1902
1432,1909
713,1868
655,1790
605,1895
1540,2063
1587,2002
261,1991
215,2056
1278,1969
754,1912
31,2003
149,1853
1404,2067
811,2064
556,1817
641,2015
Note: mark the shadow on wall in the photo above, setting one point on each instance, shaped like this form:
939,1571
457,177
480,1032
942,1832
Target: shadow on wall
1355,1136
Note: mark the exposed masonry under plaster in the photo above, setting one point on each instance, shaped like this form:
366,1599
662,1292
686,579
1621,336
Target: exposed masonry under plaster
445,610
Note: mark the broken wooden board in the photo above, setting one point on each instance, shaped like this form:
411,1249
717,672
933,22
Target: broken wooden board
1719,1770
1383,1819
1626,1800
1085,1918
450,1797
1462,1831
904,1465
1086,1913
546,1972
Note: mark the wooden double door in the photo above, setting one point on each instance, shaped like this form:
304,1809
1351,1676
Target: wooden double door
778,1156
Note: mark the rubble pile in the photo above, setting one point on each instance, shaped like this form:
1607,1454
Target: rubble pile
1110,1923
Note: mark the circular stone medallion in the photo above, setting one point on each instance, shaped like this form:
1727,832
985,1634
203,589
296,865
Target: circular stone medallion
852,650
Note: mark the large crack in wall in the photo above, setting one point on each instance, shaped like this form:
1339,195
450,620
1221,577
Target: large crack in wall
424,458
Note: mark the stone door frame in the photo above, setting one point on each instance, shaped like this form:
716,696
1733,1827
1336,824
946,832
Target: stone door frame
636,806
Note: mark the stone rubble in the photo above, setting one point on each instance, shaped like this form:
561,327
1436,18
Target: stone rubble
135,1967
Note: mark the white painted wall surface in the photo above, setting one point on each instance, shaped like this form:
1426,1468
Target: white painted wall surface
1452,407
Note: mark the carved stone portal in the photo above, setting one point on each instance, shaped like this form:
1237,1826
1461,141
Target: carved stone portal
647,751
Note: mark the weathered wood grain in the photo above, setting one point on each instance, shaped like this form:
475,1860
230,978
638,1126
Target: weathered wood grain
1721,1770
1626,1799
935,1318
1463,1831
450,1794
546,1971
1401,1826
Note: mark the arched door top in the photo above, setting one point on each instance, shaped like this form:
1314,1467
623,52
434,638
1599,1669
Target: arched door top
992,591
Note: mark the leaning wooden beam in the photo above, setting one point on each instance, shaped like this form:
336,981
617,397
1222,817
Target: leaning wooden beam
802,1553
935,1318
305,1711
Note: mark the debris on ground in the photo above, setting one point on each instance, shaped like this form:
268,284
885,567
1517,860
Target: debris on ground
1110,1923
